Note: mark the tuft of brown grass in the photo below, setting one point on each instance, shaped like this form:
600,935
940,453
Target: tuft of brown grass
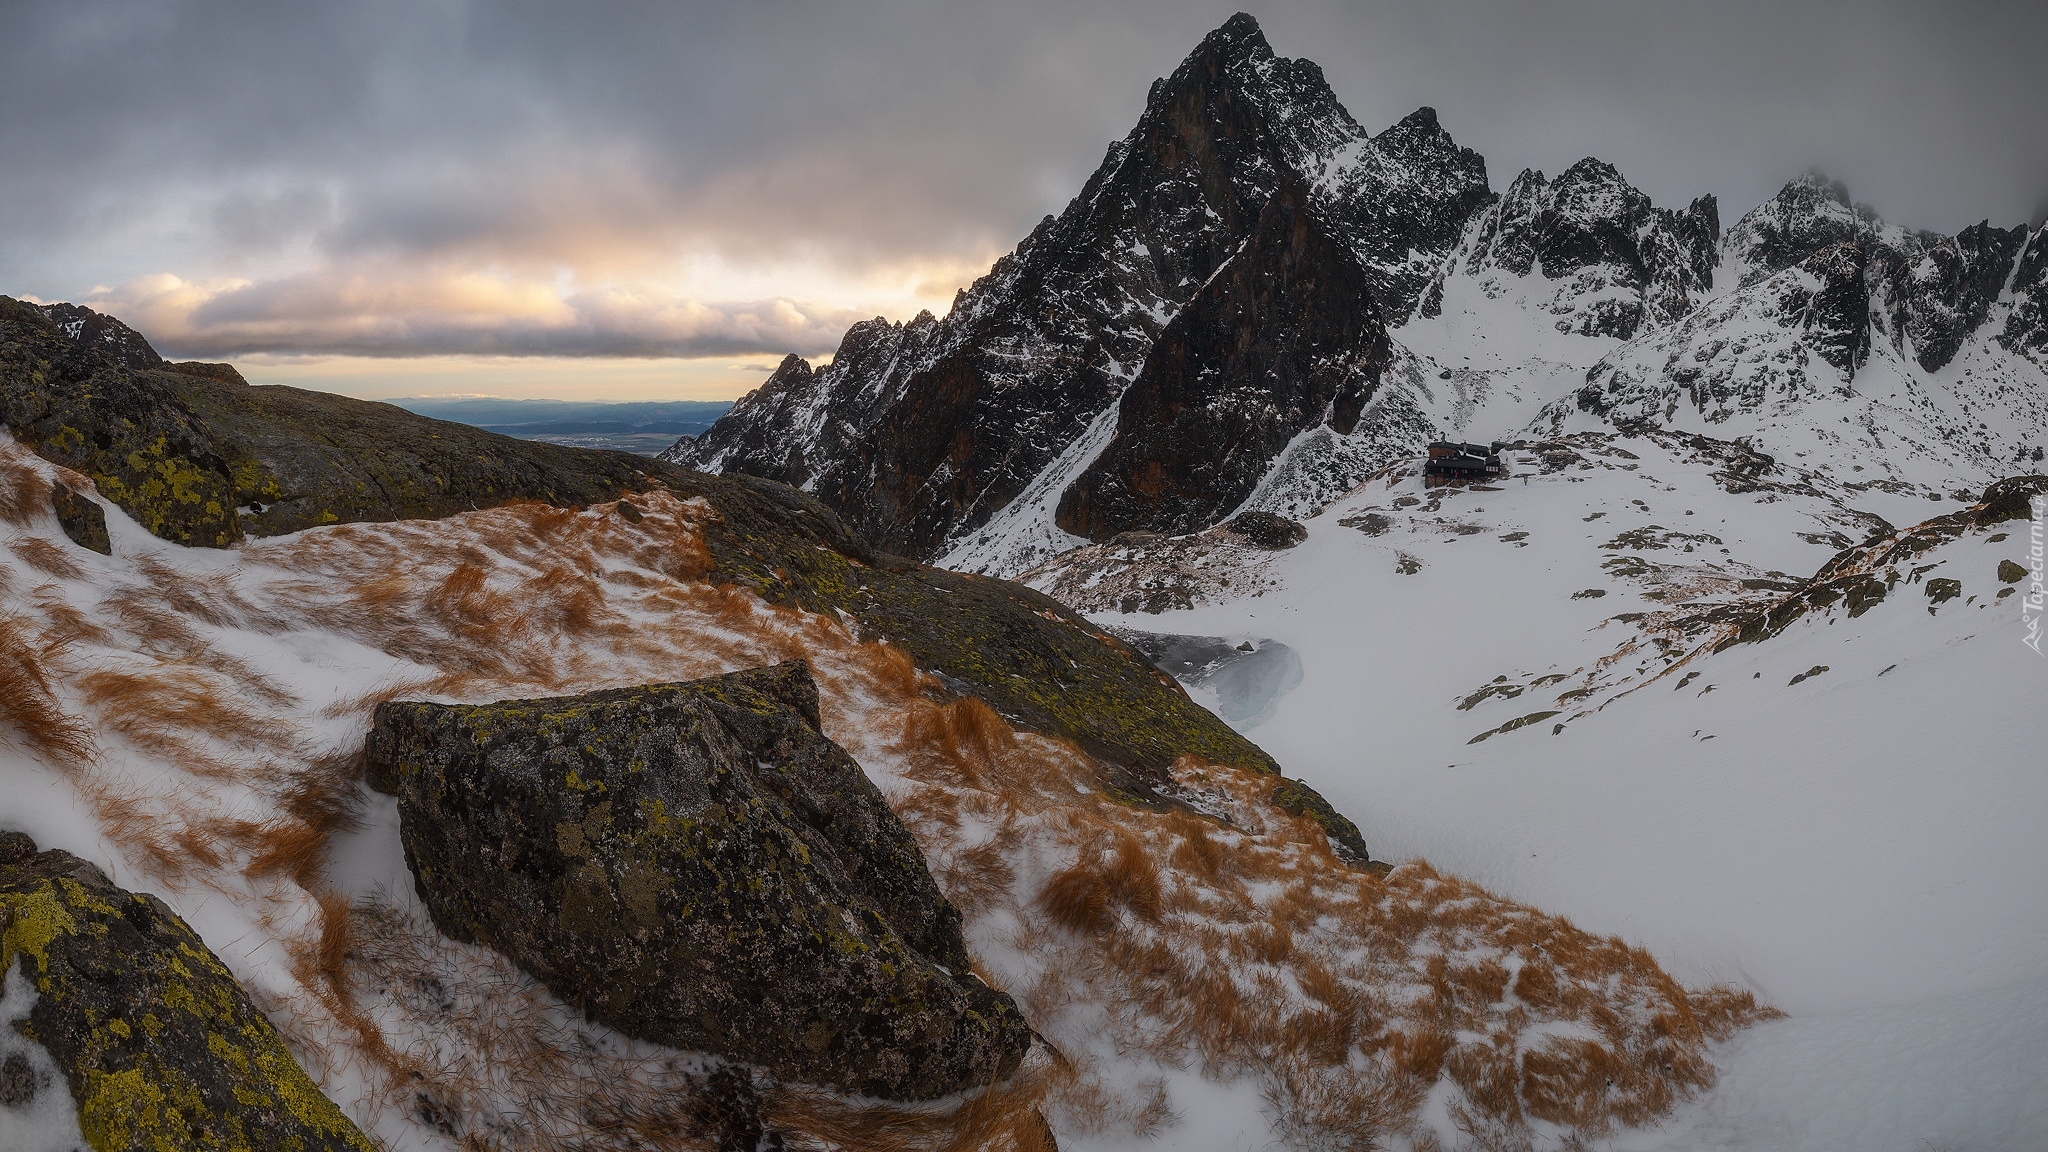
28,705
24,494
45,557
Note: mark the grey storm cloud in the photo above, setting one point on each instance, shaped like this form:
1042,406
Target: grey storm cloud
358,177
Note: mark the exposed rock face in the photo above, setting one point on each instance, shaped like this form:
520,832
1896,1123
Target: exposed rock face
1835,317
697,865
1623,262
1826,287
918,433
2026,327
1946,294
1283,337
1936,291
1402,203
160,1047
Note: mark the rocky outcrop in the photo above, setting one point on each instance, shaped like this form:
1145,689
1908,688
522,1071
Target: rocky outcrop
199,457
159,1046
1265,530
1282,338
103,334
919,433
695,864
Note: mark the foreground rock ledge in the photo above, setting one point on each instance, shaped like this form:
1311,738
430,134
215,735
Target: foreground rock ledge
159,1045
695,864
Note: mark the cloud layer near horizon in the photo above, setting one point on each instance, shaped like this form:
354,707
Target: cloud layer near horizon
403,312
631,179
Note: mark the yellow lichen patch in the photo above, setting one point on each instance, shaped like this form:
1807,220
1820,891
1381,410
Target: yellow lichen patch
34,919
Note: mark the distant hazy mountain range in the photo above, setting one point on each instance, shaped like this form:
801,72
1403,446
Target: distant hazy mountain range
645,427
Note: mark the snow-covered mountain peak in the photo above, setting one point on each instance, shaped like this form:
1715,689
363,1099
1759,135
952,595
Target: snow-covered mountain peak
1811,212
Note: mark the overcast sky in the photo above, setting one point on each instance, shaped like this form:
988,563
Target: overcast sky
657,199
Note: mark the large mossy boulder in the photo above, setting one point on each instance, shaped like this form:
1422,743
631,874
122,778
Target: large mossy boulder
697,865
160,1047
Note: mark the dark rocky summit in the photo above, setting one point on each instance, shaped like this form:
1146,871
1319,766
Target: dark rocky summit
695,864
1283,337
159,1045
918,433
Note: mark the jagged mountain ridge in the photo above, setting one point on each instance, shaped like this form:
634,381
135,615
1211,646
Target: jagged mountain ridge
921,432
989,438
1908,363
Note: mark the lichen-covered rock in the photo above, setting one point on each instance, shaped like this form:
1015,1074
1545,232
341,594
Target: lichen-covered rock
82,519
161,1048
695,864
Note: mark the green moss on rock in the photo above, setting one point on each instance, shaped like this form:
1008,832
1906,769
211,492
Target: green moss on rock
162,1050
1298,799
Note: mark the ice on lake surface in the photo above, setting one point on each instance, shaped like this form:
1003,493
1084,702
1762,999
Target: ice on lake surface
1247,676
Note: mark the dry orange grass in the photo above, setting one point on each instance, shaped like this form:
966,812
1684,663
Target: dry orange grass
29,709
24,494
45,557
1222,935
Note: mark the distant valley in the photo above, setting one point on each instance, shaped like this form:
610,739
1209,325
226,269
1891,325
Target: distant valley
644,427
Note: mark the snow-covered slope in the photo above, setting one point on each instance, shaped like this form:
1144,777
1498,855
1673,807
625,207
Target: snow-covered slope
1611,684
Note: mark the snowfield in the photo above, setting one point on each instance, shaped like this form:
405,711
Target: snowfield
1844,816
